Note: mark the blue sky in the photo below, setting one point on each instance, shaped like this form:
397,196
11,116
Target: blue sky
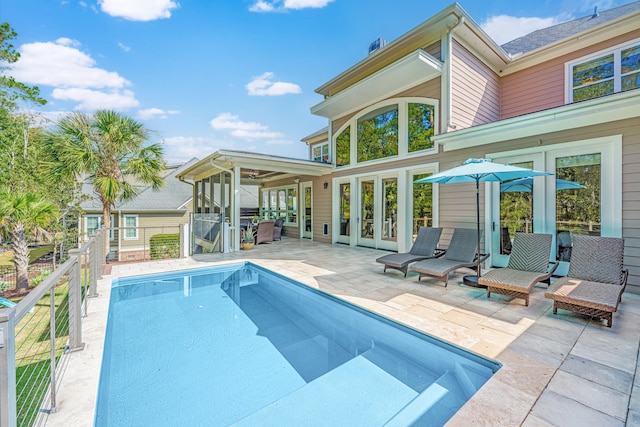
226,74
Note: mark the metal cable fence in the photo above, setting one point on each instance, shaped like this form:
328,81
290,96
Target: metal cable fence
37,334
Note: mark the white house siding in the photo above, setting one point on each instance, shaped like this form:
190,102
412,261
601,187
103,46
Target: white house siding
542,86
475,90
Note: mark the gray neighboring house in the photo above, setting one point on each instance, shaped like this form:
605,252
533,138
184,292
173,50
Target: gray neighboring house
152,212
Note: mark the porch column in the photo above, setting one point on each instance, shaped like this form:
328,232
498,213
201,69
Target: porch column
235,209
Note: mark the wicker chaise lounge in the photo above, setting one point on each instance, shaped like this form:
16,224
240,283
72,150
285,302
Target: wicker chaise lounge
528,265
423,248
595,281
461,253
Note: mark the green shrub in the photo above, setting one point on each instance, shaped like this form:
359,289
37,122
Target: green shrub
40,277
164,246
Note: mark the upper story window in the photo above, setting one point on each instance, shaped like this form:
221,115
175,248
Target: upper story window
343,147
605,72
394,128
320,152
420,126
378,134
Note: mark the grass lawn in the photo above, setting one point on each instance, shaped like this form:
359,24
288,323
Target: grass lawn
6,257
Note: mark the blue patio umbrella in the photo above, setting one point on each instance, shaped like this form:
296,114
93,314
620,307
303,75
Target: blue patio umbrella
523,185
477,171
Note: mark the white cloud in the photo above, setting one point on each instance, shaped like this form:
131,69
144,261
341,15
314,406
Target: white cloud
240,133
183,148
73,74
262,85
283,5
240,129
90,100
504,28
65,41
155,113
139,10
261,6
61,65
124,47
303,4
229,121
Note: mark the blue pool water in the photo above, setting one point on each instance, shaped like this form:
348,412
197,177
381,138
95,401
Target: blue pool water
240,345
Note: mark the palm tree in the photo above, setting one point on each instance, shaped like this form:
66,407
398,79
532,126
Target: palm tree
106,149
23,213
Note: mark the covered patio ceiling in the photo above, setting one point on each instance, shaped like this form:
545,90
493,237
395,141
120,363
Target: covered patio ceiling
255,168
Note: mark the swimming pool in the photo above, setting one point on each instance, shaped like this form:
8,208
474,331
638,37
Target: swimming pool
240,345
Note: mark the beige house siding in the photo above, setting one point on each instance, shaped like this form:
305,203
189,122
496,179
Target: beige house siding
434,50
543,86
150,224
321,208
475,90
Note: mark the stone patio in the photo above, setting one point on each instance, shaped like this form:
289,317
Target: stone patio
558,370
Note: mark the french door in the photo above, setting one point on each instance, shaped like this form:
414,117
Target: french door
306,214
377,212
516,209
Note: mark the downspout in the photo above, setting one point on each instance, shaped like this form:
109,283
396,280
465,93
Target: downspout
447,84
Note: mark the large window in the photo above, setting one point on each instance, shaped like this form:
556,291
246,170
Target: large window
394,128
420,126
378,134
422,203
321,153
604,73
280,203
343,147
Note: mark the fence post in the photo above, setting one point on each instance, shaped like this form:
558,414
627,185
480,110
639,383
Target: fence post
7,368
75,302
94,266
183,241
100,252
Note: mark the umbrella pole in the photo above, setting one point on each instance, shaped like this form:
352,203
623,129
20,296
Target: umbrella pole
473,280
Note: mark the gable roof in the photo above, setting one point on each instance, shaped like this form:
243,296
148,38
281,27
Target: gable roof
555,33
173,196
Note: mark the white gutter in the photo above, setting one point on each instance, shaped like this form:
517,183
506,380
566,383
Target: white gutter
446,82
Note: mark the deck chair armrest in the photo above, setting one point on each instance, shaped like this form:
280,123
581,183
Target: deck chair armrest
554,267
439,252
625,274
483,258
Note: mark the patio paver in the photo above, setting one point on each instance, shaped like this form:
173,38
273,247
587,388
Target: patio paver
558,370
